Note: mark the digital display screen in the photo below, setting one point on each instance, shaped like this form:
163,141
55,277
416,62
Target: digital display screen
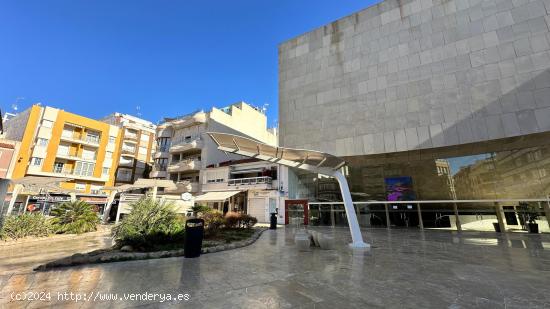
399,189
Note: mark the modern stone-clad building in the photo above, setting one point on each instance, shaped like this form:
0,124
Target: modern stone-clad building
404,87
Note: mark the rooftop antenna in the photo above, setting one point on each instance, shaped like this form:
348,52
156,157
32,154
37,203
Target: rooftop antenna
138,108
264,107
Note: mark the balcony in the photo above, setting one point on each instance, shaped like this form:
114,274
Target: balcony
185,165
85,140
68,156
126,161
129,151
264,182
186,145
158,174
164,131
195,119
160,154
69,173
185,186
130,137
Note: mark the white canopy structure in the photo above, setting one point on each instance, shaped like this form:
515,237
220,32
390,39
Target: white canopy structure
216,196
314,161
37,184
141,183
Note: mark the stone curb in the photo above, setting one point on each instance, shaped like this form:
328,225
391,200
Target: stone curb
108,256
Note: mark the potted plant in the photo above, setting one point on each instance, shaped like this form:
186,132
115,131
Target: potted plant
531,215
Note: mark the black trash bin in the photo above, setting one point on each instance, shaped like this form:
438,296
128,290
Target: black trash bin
273,221
194,231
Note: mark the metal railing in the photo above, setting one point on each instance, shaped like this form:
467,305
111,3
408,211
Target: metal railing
184,141
86,139
250,181
458,215
74,157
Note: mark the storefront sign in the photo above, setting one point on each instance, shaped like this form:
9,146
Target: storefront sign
50,198
94,200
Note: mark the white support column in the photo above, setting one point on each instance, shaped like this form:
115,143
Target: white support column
16,190
420,221
110,201
155,188
357,238
26,203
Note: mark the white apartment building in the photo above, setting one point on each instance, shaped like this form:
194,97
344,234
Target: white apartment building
135,153
183,149
249,186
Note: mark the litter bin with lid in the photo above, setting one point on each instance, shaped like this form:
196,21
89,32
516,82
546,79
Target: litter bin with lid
194,232
273,221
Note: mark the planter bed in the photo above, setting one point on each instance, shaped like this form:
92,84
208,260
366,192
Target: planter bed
115,255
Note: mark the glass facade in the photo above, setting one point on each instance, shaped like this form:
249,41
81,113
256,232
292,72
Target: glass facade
516,169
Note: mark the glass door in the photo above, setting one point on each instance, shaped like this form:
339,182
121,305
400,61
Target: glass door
296,212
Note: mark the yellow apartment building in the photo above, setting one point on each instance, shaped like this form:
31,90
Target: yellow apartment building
56,143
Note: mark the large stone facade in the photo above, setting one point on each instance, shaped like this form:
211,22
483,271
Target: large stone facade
404,75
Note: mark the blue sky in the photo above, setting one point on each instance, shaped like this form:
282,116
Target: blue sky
167,57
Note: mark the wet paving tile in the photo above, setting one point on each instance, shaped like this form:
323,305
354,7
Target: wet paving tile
404,269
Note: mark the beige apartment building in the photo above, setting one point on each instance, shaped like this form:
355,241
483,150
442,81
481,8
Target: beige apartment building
183,149
135,149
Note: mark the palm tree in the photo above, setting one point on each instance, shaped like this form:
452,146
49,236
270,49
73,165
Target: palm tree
74,217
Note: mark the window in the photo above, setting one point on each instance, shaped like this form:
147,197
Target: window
143,150
36,161
42,142
160,164
94,189
124,175
92,137
105,171
84,168
47,123
63,149
163,143
112,139
80,186
58,167
88,154
108,154
145,137
67,132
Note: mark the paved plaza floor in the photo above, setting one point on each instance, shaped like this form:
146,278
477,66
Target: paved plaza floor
404,269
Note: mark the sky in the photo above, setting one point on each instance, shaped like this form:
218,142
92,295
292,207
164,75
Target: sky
151,59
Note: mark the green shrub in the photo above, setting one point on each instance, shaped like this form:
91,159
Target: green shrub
213,221
232,219
26,225
198,210
247,221
238,220
149,226
75,217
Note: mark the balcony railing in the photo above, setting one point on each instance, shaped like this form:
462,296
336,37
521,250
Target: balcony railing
184,165
90,140
186,144
128,150
68,156
250,181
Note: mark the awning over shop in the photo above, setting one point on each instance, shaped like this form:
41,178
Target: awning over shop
215,196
